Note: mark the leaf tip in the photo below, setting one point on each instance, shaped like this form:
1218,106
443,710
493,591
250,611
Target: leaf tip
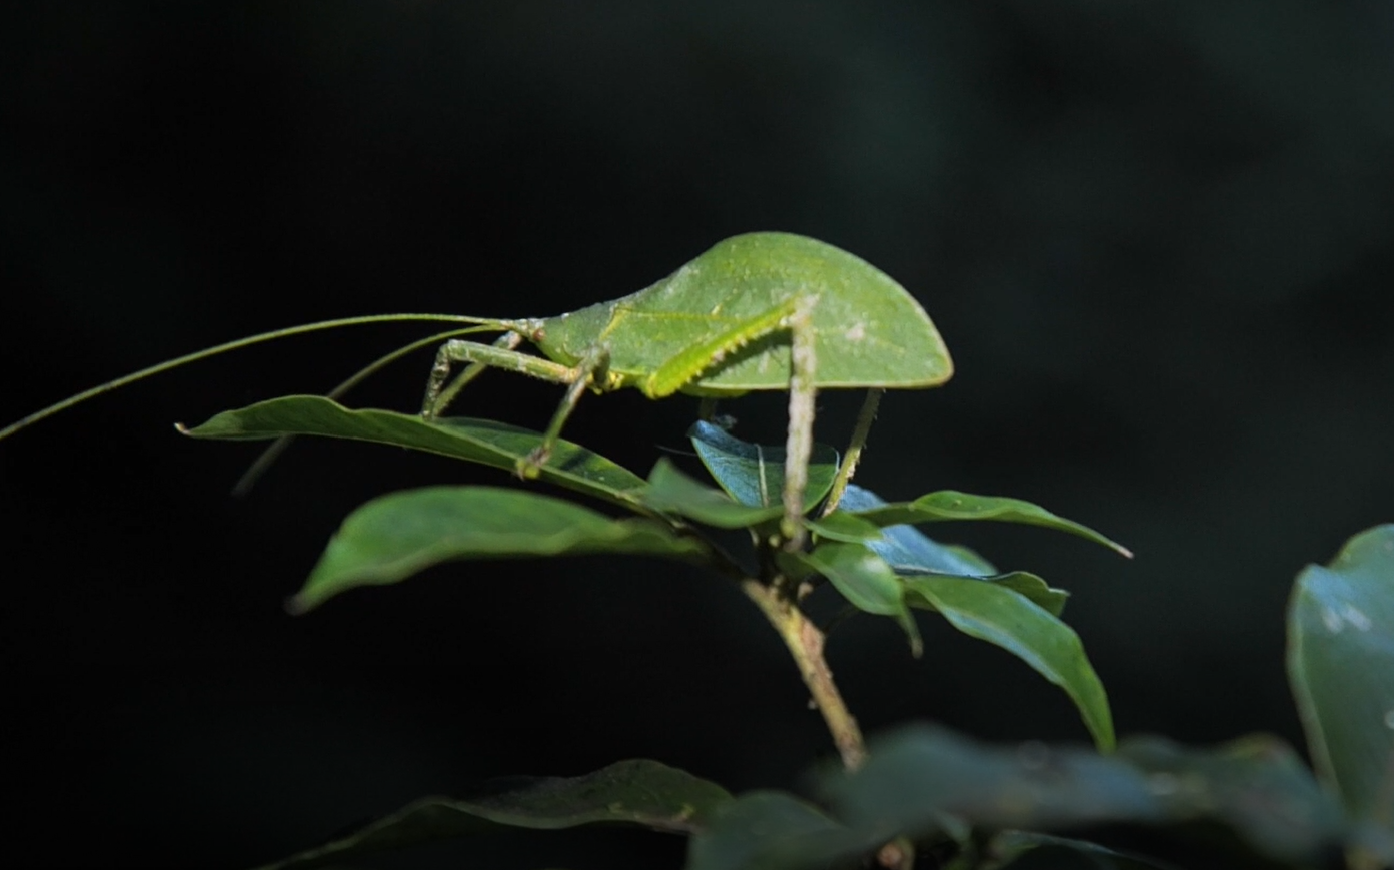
298,605
1123,551
181,428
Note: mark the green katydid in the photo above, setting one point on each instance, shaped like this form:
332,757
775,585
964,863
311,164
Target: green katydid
760,311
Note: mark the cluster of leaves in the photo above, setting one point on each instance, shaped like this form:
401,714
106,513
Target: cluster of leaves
974,806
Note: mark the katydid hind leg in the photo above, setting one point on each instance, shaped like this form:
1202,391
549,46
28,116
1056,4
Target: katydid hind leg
803,392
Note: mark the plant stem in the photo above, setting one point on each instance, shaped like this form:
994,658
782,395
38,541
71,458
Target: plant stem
805,642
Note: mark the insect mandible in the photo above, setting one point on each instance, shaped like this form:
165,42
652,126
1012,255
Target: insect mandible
759,311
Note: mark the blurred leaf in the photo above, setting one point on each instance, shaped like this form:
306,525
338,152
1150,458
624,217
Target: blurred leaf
1013,622
487,442
866,581
949,505
754,475
921,773
672,492
1257,786
1006,847
906,549
769,830
392,537
918,776
636,792
1341,666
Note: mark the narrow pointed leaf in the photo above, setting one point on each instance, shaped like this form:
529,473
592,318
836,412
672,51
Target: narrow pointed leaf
1341,665
487,442
671,492
639,792
1011,621
390,538
949,505
753,474
907,549
867,582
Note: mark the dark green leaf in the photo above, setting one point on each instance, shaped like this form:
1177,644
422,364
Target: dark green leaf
767,830
1257,786
754,475
672,492
1013,622
487,442
949,505
917,776
1341,665
866,581
920,776
638,792
390,538
1006,847
906,549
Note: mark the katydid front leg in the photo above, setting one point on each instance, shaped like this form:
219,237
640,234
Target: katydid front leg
502,355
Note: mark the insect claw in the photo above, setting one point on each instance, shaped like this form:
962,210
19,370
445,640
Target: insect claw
530,466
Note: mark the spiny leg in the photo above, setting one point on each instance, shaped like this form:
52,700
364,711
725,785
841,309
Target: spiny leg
438,396
585,373
854,450
501,355
803,393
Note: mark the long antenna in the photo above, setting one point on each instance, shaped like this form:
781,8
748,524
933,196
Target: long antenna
282,444
234,345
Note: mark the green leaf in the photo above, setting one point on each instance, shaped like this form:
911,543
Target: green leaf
770,830
636,792
487,442
672,492
919,776
392,537
949,505
1257,786
866,581
1011,621
754,475
904,547
1006,847
1341,665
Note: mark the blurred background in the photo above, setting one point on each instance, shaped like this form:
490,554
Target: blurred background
1158,240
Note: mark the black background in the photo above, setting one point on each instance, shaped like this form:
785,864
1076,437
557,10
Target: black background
1157,238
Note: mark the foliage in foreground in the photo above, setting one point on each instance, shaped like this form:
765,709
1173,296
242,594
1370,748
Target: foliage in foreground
963,804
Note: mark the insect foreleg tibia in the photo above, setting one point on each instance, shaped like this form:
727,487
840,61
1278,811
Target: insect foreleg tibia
583,375
437,399
803,392
499,355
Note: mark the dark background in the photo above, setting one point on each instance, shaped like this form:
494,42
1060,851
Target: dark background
1157,238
